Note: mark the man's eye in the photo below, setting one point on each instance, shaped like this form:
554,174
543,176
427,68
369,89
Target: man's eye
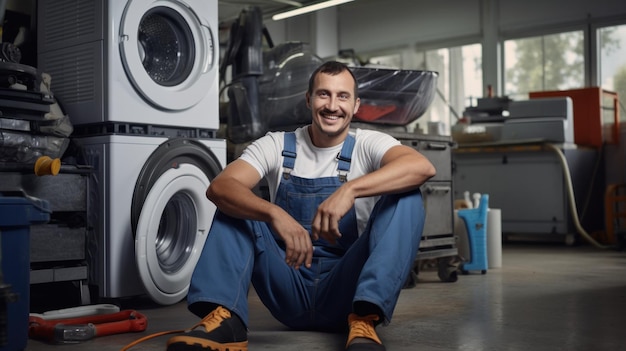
344,97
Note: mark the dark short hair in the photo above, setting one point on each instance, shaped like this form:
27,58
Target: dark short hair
332,68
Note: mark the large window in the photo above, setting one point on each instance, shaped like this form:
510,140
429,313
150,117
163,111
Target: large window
548,62
612,62
556,62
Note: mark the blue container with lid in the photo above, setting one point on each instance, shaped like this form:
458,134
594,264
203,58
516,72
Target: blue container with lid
17,214
476,225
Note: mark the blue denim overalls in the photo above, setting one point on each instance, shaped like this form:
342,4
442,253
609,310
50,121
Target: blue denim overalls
372,267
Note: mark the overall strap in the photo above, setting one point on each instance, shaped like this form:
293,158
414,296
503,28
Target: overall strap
289,153
345,157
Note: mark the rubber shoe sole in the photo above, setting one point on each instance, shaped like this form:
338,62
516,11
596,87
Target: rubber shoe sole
366,347
190,343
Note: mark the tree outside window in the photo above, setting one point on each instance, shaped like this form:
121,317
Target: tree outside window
612,62
548,62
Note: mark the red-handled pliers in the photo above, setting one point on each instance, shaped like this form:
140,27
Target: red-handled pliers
73,330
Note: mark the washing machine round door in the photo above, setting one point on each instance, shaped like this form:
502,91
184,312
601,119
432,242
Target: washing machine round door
171,216
169,52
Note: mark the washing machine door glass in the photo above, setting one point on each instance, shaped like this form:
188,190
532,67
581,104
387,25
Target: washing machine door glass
168,53
165,48
175,237
171,231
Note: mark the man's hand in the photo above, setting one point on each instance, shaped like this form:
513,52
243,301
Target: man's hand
402,169
298,244
326,221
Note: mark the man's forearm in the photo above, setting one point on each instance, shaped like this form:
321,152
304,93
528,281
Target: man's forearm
238,201
405,172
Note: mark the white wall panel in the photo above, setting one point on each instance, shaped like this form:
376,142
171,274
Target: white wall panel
369,25
326,39
277,30
299,29
516,15
373,24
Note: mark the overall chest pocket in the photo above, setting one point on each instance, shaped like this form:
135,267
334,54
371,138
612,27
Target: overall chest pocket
303,207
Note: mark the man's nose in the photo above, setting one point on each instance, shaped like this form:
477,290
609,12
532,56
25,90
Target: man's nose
332,103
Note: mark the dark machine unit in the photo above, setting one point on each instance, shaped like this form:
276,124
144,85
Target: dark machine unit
58,247
525,156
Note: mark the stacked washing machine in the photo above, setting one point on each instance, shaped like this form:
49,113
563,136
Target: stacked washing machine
139,81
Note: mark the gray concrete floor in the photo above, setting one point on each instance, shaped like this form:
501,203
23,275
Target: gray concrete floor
544,297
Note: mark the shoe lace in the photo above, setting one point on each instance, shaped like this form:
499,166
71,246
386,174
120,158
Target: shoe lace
214,319
362,327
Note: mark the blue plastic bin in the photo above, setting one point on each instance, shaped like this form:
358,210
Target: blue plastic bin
476,225
17,214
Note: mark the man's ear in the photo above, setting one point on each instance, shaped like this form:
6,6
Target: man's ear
357,104
308,100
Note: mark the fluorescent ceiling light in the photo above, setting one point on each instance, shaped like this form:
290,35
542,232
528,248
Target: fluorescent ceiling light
307,9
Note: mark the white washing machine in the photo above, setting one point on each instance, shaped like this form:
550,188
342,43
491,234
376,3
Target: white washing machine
149,212
132,61
139,81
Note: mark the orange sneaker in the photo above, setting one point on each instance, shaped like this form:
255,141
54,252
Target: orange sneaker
222,332
363,327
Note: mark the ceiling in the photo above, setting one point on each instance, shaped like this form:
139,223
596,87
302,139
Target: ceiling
228,10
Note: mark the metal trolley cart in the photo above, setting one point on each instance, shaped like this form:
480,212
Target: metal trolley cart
438,239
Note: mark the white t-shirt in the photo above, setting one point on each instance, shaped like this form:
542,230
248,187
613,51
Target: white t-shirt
265,155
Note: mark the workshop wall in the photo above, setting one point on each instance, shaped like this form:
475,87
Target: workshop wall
367,25
370,24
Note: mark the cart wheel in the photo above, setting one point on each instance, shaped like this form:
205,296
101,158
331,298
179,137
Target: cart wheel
483,271
448,277
447,270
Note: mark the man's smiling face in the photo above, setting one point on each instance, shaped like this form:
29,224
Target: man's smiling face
332,103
